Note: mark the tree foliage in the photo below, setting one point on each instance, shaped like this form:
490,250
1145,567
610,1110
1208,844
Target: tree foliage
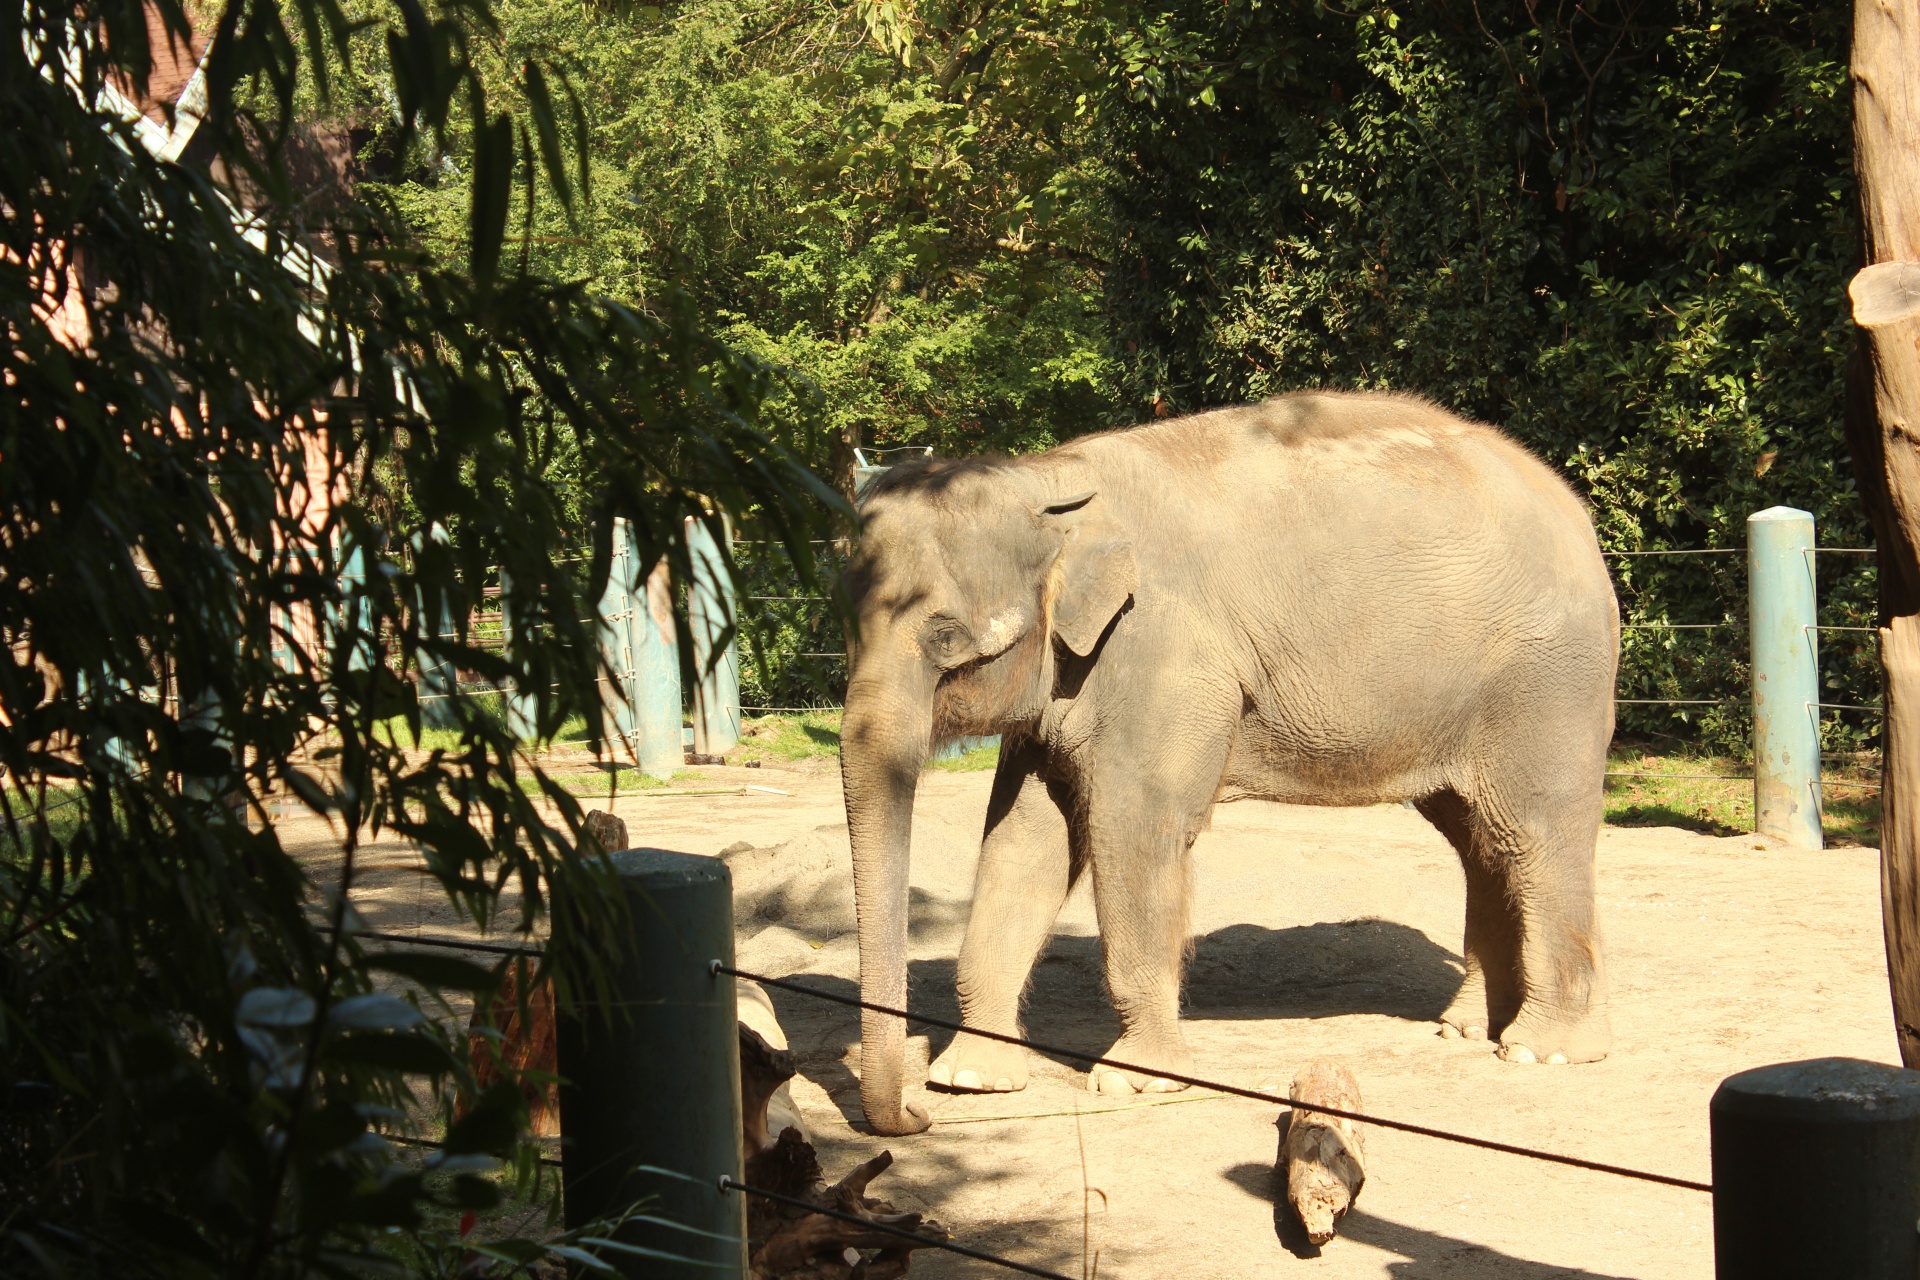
238,507
893,203
1622,231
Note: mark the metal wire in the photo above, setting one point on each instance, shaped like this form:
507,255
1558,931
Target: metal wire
1717,777
1487,1144
1695,551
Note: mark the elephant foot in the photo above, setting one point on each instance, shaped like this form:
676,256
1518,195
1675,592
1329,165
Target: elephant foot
974,1065
1115,1082
1465,1029
1556,1041
1466,1018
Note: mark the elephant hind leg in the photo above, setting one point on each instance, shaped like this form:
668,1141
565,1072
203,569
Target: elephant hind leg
1540,851
1490,994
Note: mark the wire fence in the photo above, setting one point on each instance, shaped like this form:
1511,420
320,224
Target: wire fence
718,967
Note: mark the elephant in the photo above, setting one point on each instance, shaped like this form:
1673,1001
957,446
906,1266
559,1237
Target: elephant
1329,598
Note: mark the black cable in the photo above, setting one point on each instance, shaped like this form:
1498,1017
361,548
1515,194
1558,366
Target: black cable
728,1184
1487,1144
450,944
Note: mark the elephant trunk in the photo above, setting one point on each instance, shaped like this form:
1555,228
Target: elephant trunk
885,736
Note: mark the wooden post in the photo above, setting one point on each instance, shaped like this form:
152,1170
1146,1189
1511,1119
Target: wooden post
1883,431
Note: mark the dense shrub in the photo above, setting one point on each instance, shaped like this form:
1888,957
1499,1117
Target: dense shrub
1621,231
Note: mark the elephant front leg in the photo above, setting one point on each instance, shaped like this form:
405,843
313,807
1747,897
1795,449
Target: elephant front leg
1025,872
1140,886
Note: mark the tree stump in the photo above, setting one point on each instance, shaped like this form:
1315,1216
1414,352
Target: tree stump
1326,1166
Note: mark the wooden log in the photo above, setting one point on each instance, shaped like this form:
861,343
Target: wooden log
1326,1165
1883,432
606,830
793,1244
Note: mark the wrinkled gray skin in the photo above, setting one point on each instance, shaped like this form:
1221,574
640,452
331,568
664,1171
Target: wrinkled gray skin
1323,599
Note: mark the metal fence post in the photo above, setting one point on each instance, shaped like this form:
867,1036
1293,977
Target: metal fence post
659,737
617,610
1786,676
710,611
1815,1168
655,1080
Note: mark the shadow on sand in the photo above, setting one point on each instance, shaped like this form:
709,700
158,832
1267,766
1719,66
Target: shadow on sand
1426,1255
1243,971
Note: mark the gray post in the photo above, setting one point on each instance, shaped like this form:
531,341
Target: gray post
617,611
660,741
1786,676
710,611
1814,1172
656,1080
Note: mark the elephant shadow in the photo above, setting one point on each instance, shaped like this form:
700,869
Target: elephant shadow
1242,971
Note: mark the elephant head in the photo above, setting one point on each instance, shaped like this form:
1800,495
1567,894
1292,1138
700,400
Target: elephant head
967,576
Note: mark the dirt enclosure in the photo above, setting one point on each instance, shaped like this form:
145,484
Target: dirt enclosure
1317,932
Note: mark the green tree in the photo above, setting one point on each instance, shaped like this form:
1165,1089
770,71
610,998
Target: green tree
1621,231
241,494
892,203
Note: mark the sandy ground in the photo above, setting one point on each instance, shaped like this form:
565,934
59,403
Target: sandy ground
1317,932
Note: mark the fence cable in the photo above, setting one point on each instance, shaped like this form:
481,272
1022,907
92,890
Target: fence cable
717,967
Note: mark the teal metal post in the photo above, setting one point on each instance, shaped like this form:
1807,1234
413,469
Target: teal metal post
653,1082
1786,676
659,740
710,611
617,611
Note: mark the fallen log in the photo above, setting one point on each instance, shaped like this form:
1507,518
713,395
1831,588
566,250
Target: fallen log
1326,1166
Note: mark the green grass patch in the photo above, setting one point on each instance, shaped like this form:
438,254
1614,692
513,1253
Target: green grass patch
804,735
1714,794
969,761
623,780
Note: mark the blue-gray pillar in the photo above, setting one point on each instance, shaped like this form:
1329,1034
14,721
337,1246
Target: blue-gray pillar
654,1082
1786,676
616,610
654,692
1816,1172
710,611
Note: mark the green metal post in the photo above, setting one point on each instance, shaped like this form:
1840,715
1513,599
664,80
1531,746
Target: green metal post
710,611
1786,676
1816,1169
617,610
654,690
655,1080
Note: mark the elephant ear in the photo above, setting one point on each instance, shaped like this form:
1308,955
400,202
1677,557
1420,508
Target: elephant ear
1094,577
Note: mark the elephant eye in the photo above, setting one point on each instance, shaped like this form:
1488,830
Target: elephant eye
947,640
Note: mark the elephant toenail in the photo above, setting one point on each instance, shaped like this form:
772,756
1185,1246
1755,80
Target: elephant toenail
940,1073
967,1078
1113,1084
1557,1059
1449,1032
1516,1053
1474,1032
1003,1085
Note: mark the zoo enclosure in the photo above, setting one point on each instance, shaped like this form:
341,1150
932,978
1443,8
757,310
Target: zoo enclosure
795,657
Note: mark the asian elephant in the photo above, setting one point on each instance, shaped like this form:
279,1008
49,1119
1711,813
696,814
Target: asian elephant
1326,598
